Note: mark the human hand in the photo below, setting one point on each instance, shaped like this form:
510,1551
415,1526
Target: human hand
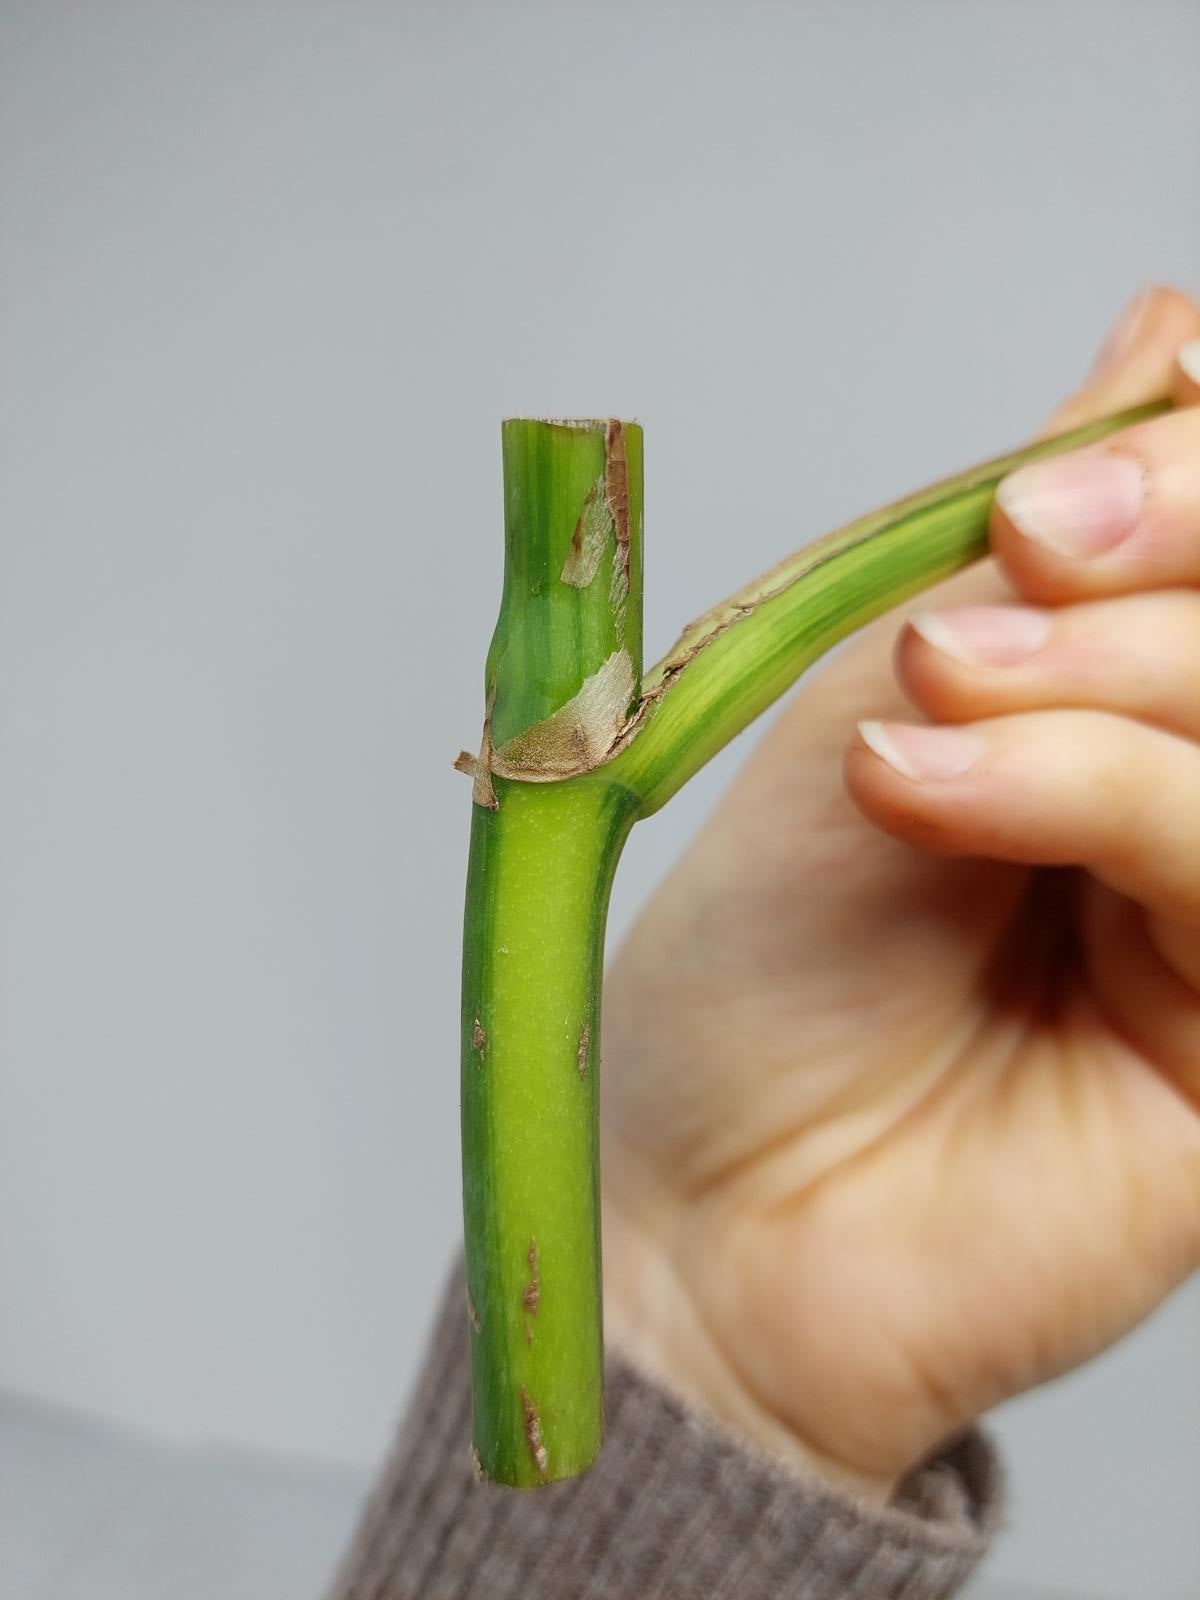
902,1073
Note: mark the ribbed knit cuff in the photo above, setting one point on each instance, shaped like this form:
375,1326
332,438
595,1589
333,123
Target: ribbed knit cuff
676,1508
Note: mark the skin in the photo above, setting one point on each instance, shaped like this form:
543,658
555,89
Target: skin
902,1073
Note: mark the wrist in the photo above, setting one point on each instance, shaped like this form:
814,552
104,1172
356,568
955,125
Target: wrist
653,1318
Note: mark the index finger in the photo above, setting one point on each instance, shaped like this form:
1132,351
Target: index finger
1137,361
1114,518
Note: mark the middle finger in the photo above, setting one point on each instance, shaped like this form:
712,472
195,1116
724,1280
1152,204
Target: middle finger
1138,655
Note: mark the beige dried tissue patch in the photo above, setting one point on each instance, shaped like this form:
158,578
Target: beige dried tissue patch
579,735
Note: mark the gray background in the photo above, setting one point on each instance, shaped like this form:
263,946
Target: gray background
269,276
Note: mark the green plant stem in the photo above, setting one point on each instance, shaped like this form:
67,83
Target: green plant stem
541,865
544,852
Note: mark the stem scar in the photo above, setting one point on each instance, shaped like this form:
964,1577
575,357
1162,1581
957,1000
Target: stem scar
479,769
473,1315
533,1433
581,1058
479,1040
616,492
576,737
533,1288
587,542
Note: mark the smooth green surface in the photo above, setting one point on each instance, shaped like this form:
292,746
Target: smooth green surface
540,873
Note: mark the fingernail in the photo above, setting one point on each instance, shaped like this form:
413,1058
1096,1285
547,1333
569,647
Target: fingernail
1119,337
984,636
917,752
1189,359
1080,505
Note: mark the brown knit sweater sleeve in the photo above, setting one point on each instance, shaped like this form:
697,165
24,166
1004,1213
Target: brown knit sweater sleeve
677,1508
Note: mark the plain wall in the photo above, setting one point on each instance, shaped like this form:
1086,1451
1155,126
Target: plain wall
270,274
